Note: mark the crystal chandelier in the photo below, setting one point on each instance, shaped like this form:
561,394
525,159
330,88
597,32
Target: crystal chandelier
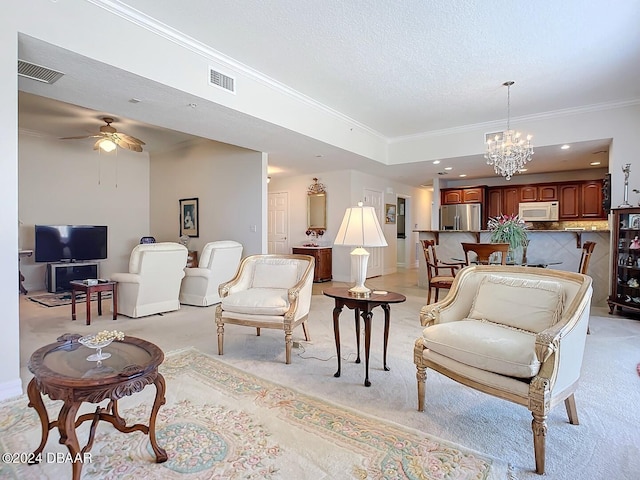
508,152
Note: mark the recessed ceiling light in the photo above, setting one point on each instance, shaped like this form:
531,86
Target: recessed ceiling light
523,169
436,162
134,100
448,168
565,147
319,155
462,175
192,105
593,164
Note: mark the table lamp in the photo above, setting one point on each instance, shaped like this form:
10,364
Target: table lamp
360,228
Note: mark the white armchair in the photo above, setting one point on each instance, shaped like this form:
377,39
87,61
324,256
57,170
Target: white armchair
269,291
516,333
152,284
218,264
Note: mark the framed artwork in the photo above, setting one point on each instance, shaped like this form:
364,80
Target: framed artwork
189,224
634,221
390,213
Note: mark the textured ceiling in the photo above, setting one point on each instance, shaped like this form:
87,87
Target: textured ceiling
399,67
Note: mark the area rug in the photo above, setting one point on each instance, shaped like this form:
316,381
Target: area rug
63,298
223,423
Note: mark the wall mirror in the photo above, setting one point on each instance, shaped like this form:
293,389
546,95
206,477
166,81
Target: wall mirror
316,206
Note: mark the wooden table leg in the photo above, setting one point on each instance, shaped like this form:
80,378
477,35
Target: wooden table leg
387,316
35,401
161,454
73,303
336,332
366,316
99,302
88,300
114,300
68,437
357,315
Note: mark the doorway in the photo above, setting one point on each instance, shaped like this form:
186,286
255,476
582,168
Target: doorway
278,223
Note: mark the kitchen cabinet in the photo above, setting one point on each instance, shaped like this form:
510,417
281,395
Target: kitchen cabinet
510,200
625,264
592,200
569,201
323,257
494,202
454,196
538,193
581,201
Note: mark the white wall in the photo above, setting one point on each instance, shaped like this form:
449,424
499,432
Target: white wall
227,181
67,182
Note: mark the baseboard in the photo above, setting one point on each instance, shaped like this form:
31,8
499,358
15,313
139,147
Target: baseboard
10,389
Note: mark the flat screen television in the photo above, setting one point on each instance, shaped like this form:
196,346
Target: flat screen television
70,243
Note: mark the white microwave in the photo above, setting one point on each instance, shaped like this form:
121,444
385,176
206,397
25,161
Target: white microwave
538,211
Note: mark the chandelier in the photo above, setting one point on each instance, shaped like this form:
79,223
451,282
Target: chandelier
508,152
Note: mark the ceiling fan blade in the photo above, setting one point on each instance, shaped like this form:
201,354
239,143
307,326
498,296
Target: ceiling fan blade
124,144
82,136
131,139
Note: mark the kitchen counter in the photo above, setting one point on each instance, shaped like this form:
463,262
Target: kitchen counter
477,233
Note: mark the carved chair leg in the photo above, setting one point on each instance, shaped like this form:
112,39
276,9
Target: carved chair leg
539,427
421,377
288,342
258,331
429,295
305,330
572,411
437,294
220,337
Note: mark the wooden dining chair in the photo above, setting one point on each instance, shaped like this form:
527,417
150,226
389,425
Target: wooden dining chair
435,279
483,251
587,250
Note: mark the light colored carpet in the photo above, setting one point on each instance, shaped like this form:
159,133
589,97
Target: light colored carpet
605,445
221,422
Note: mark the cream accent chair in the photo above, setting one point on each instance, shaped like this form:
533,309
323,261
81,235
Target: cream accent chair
517,333
269,291
152,284
218,264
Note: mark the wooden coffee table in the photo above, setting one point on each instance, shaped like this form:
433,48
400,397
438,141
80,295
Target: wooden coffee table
62,371
80,286
362,307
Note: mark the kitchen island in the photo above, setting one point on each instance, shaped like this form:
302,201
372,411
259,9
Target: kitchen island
563,246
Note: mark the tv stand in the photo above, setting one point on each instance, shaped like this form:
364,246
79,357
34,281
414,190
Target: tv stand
60,274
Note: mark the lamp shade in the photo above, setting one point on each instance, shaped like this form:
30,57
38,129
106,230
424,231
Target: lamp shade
360,228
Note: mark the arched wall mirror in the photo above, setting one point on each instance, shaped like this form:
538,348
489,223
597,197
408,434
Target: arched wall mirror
316,206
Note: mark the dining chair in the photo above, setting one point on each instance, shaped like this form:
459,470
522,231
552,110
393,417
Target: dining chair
483,252
587,250
436,280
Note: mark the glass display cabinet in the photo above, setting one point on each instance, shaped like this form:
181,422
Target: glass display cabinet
625,268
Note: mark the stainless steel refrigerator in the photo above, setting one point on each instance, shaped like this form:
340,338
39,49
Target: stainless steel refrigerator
465,216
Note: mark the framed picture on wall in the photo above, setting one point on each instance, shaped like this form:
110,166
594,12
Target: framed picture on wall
390,213
189,217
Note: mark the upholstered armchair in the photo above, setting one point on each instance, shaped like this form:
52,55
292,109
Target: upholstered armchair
152,284
218,264
517,333
269,291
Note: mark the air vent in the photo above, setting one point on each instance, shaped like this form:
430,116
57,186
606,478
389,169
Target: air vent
219,79
38,72
492,136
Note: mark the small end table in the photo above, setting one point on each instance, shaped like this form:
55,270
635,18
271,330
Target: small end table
62,371
80,286
362,307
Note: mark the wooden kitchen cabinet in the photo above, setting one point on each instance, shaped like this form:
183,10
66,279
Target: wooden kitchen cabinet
454,196
494,202
592,200
510,200
538,193
569,208
323,256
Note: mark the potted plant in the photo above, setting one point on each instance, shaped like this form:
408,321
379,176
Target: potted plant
509,229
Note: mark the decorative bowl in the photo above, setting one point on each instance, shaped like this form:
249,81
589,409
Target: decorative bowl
91,342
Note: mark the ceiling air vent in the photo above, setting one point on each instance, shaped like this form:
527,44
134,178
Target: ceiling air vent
38,72
219,79
492,135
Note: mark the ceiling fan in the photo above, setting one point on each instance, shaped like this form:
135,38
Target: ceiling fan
109,137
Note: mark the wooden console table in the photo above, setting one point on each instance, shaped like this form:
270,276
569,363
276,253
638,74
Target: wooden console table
61,371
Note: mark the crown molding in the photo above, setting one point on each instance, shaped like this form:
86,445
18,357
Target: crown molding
136,17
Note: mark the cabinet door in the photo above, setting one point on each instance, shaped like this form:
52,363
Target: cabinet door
494,202
473,195
528,193
451,197
510,200
547,193
569,201
592,200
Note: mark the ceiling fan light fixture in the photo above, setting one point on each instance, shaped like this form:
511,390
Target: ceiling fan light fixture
106,145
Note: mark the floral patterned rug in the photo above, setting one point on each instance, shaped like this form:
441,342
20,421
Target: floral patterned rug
222,423
63,298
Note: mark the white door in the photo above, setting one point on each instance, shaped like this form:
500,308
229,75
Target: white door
278,223
373,198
